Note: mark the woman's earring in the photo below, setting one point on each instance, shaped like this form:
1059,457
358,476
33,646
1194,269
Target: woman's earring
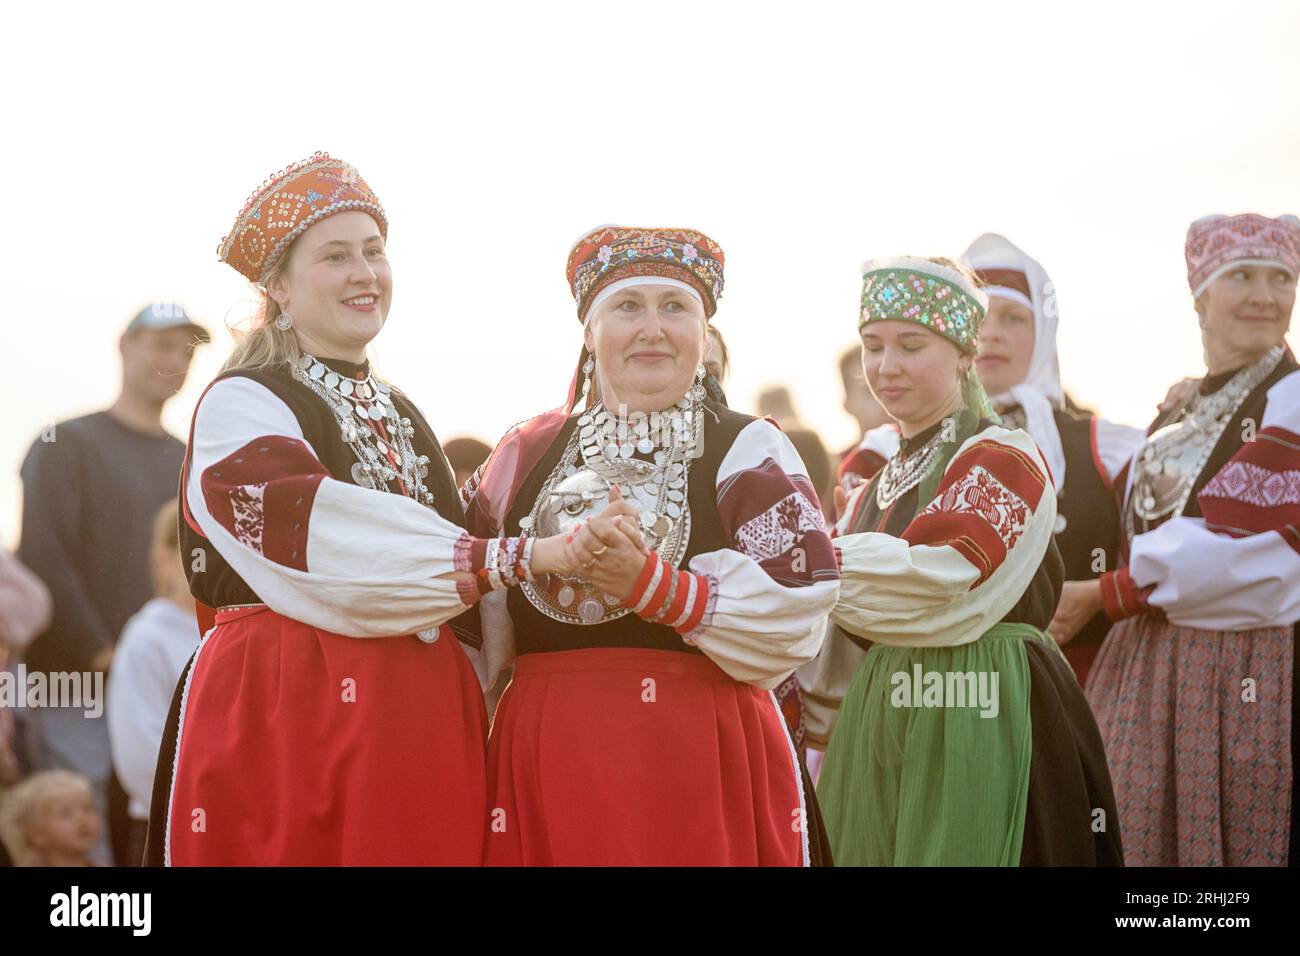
284,321
588,367
697,391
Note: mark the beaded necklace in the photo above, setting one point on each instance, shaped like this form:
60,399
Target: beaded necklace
904,471
371,426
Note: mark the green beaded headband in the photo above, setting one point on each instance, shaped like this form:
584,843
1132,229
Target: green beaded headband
909,289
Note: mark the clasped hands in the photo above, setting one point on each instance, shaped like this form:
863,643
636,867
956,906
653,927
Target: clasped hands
608,550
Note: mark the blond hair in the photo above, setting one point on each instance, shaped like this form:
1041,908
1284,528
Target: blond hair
26,803
961,267
263,345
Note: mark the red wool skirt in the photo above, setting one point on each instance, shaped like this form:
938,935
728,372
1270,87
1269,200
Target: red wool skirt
633,757
305,748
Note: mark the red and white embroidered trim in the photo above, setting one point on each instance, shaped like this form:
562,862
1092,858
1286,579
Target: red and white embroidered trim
1254,485
246,509
779,528
979,493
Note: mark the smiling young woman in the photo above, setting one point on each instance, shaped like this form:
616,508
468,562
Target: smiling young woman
331,716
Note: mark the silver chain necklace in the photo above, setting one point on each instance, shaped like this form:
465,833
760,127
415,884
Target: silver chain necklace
1174,456
360,408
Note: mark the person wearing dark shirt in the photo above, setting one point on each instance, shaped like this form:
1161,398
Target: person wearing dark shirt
90,488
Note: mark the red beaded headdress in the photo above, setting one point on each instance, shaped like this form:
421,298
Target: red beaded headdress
610,253
288,204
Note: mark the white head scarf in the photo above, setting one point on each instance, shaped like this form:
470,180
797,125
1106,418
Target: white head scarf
1040,392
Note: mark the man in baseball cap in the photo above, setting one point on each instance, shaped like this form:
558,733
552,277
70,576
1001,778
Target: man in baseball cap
91,488
167,315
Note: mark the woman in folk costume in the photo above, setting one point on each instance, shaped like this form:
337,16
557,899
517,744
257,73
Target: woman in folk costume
1194,686
640,727
1017,365
331,715
963,738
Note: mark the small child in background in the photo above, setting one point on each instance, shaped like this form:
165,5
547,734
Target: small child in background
151,655
50,819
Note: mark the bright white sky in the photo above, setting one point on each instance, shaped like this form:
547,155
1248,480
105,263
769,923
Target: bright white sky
804,138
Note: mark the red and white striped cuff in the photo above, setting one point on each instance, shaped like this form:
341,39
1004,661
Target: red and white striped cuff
664,595
1121,598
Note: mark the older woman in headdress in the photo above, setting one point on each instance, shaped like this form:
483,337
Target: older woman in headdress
1018,367
1194,686
640,727
963,737
330,715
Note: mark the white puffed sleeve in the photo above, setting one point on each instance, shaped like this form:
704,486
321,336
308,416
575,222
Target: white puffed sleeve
331,554
756,608
966,558
1237,567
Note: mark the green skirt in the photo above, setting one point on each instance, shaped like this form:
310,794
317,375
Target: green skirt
928,764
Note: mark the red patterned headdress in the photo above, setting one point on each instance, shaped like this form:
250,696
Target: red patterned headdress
610,253
288,204
1216,243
